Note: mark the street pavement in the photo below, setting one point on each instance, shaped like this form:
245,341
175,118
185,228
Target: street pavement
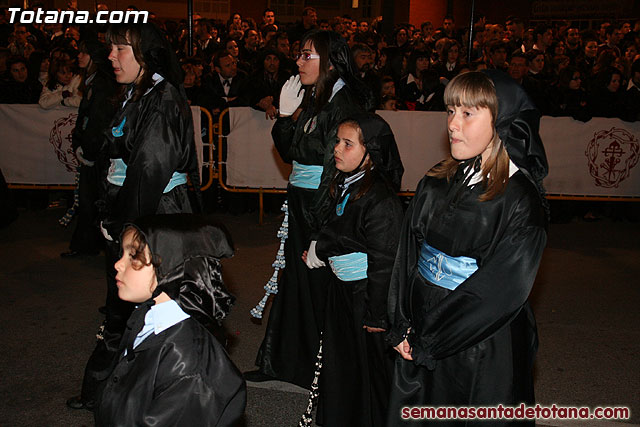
586,299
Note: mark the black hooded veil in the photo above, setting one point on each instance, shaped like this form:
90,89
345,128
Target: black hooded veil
356,365
474,345
288,351
182,375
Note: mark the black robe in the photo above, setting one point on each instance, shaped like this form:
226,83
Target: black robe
95,113
474,345
157,141
180,377
356,365
290,346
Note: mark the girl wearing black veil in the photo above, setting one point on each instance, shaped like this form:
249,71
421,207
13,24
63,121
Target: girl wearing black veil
170,369
152,153
469,252
359,243
312,104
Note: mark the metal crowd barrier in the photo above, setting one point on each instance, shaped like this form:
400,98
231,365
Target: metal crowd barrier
222,139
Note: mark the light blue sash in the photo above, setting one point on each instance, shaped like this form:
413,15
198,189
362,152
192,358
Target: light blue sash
349,267
444,270
118,172
305,176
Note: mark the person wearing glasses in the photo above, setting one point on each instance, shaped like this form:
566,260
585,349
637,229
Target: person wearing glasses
312,104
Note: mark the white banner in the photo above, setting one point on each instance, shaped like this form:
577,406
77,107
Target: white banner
597,158
422,141
36,147
252,159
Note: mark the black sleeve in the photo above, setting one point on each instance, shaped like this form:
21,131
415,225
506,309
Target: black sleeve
99,112
404,268
282,133
382,229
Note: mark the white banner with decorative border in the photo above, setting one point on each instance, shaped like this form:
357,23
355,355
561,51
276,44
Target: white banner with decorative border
597,158
36,146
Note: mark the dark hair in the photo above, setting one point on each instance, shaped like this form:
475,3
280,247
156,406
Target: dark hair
531,55
204,22
16,59
327,77
539,30
130,34
497,44
358,48
268,10
138,245
413,58
603,78
605,60
566,75
520,54
223,53
514,20
54,67
367,166
92,66
448,44
608,30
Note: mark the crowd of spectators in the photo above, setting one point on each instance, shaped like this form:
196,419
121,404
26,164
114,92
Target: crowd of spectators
565,70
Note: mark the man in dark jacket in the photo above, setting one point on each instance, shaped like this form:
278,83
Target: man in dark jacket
225,87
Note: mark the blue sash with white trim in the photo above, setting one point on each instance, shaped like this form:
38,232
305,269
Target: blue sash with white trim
349,267
305,176
444,270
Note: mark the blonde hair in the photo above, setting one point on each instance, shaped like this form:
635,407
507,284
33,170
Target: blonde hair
475,89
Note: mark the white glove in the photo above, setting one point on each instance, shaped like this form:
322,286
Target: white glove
81,159
291,96
105,233
312,259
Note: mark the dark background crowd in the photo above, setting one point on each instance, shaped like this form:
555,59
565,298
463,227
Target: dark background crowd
241,62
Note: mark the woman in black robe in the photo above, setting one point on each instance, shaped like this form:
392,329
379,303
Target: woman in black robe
95,113
469,252
152,153
359,242
170,369
306,138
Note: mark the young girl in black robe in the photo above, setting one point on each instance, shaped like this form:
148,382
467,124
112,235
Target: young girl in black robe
170,369
359,243
469,252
